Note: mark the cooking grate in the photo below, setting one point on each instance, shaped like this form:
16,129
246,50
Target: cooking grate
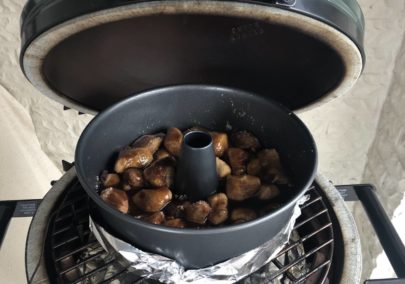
73,255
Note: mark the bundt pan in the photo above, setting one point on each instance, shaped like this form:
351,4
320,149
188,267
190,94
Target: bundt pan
213,108
284,54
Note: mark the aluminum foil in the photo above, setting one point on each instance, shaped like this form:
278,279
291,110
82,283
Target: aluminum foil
166,270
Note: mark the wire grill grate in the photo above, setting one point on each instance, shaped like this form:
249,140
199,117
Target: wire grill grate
74,256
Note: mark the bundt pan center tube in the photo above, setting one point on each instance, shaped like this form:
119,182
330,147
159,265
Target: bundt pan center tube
197,172
214,108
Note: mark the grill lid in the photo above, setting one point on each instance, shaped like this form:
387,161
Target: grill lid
90,54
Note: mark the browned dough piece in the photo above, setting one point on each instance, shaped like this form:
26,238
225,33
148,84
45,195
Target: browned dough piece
173,141
239,188
161,173
133,158
219,142
237,160
109,179
219,205
223,169
150,142
116,198
175,223
245,140
133,177
254,167
155,218
161,154
197,212
268,191
242,215
152,200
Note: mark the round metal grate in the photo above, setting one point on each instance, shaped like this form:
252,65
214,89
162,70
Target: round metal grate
73,255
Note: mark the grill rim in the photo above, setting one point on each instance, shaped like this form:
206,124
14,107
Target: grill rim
352,264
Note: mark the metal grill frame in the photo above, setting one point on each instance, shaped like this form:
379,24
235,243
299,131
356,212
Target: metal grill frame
69,235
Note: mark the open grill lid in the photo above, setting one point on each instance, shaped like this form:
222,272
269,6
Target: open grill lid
88,55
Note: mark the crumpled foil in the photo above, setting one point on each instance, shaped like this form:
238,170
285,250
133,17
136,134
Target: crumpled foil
166,270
